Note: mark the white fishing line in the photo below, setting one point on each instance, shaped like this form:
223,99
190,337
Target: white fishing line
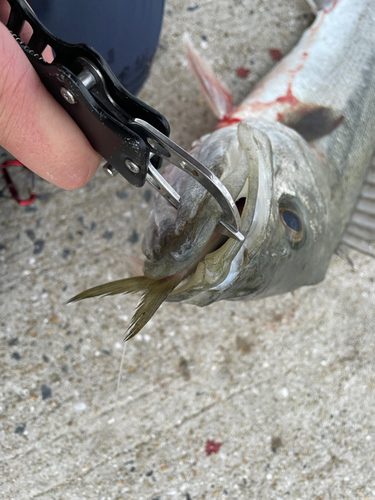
120,374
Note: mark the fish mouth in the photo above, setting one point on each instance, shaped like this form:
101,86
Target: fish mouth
187,242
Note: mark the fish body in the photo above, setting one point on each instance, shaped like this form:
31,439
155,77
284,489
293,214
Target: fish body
309,128
294,155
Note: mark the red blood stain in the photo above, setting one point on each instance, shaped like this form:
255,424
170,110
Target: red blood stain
337,122
275,54
227,120
212,446
289,98
243,72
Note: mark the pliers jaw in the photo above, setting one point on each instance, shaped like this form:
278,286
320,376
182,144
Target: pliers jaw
168,150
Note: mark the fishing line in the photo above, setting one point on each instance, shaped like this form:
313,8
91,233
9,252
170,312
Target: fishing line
120,374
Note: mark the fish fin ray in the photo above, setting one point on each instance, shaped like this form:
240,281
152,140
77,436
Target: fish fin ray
216,94
150,302
360,232
359,245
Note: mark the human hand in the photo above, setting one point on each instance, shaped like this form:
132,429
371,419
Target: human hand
33,126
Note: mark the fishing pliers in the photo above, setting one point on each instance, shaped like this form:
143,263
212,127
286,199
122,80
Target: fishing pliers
131,136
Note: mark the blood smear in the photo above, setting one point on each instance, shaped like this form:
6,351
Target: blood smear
212,446
275,54
243,72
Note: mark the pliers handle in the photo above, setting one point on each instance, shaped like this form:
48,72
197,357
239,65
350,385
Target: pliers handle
130,135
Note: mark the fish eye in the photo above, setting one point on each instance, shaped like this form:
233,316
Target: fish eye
293,224
291,220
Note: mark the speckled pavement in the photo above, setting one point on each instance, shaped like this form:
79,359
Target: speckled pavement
286,384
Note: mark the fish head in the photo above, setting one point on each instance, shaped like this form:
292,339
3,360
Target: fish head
280,189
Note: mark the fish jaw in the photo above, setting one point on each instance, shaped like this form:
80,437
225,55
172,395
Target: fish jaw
178,239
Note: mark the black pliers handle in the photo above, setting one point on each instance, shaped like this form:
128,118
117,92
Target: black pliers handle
130,135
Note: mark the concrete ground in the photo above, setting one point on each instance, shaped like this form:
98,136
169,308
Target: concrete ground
286,384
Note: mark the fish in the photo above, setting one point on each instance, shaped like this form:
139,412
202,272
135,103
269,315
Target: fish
297,157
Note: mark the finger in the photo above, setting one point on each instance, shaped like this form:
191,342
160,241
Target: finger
35,128
4,11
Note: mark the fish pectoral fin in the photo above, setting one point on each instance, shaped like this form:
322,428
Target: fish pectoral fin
360,232
313,122
216,94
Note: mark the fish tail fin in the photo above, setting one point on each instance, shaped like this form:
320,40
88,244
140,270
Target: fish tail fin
127,285
216,94
154,294
152,299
